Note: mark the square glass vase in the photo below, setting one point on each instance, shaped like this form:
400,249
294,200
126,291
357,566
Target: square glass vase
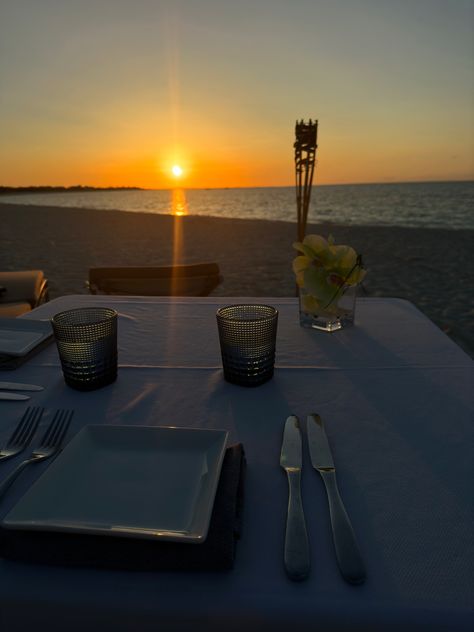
337,315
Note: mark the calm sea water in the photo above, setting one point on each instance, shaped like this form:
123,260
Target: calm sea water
423,204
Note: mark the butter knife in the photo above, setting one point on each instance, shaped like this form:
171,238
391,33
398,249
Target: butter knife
13,396
17,386
348,556
296,555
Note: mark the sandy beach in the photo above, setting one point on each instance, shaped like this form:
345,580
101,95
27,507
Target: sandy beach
432,268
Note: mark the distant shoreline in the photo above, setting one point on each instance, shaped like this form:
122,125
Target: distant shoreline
6,190
52,189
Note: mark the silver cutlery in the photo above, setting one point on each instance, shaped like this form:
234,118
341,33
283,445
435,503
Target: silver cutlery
348,556
22,434
18,386
50,445
296,555
14,396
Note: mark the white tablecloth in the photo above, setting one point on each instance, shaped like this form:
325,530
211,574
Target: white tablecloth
396,396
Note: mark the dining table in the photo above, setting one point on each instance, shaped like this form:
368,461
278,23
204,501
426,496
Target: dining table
396,397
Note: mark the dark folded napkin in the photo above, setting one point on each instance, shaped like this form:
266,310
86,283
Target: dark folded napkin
217,552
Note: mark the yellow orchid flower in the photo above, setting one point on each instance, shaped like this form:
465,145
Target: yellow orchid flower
324,270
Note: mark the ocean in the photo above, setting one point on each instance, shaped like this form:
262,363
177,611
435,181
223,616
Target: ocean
414,204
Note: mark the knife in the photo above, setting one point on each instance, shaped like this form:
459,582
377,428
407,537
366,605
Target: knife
348,556
16,386
13,396
296,539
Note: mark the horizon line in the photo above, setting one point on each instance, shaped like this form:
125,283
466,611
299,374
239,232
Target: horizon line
278,186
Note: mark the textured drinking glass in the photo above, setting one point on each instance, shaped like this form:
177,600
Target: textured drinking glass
87,343
247,335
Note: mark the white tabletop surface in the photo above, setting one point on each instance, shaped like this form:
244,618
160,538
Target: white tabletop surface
396,396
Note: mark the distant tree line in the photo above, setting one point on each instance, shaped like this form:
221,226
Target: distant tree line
74,189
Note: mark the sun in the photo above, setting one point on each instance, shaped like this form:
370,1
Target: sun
176,171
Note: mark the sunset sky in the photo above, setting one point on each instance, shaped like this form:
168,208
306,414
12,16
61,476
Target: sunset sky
116,92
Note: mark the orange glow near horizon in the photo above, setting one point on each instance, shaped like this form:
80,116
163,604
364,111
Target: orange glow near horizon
209,155
334,166
209,165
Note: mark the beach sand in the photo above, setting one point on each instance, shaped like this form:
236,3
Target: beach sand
432,268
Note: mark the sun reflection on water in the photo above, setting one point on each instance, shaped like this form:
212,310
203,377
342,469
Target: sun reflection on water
179,205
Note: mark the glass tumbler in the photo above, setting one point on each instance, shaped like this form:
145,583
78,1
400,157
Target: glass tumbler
86,339
247,336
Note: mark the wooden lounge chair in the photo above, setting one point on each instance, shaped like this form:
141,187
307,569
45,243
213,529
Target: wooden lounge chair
198,279
21,291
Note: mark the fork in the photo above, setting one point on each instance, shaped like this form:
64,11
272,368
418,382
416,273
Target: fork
50,445
23,433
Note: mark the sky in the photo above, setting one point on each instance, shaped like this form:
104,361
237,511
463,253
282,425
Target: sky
116,93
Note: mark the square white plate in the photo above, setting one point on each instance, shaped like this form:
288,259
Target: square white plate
136,481
19,336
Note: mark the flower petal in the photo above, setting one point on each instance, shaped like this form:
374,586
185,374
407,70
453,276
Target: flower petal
317,244
356,276
300,279
300,263
344,256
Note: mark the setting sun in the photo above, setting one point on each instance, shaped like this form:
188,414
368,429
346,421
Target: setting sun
177,171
